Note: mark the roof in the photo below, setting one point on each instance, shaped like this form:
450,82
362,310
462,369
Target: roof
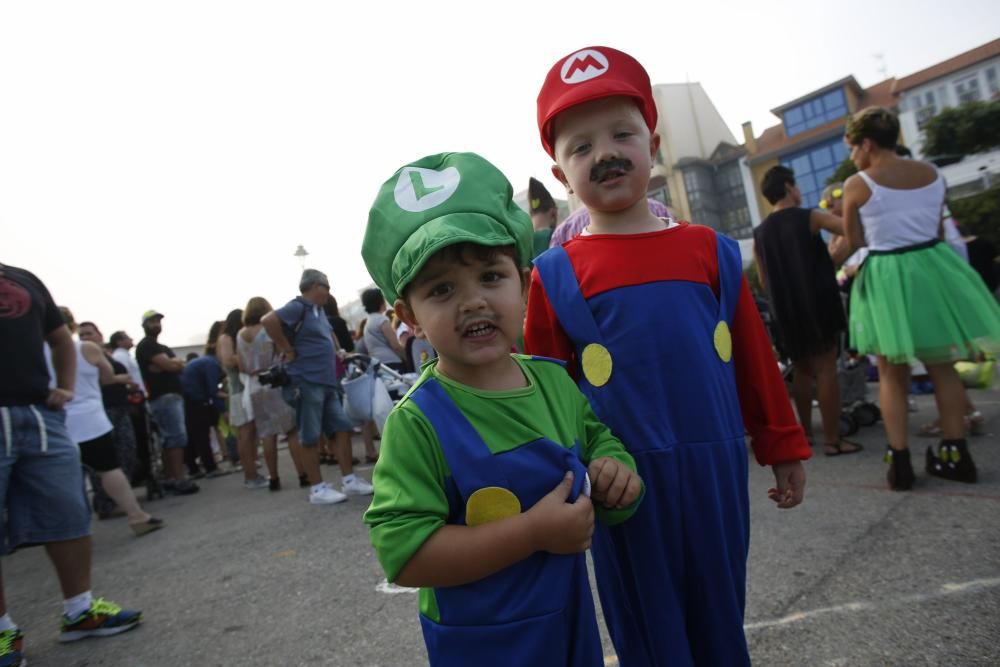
946,67
849,81
773,141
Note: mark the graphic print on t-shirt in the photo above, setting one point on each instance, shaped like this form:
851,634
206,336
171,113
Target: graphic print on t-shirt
15,301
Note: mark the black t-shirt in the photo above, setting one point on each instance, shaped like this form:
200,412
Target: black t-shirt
160,383
343,335
115,395
27,315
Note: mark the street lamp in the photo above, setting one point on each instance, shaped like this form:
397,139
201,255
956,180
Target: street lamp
301,253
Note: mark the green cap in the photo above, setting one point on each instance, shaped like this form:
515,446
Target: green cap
437,201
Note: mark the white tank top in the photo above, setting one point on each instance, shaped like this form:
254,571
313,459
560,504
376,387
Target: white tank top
898,218
85,415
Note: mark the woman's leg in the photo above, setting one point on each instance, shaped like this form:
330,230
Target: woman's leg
802,393
271,455
295,451
952,399
118,487
247,436
828,394
368,430
894,381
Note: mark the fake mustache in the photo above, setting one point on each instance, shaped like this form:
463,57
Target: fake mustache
598,171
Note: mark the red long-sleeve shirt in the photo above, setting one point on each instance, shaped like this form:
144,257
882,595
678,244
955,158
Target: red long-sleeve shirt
683,253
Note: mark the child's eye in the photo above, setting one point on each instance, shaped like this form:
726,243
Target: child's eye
580,148
441,289
622,135
492,276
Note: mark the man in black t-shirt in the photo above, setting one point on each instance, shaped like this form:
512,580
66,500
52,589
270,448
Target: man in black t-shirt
42,498
161,370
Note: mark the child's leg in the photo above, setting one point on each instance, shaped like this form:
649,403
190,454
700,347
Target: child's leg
802,392
894,382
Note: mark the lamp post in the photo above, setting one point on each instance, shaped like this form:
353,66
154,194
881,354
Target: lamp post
301,253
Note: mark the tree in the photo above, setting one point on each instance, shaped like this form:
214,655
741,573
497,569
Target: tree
973,127
843,171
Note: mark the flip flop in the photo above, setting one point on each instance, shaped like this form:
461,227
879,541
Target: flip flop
839,447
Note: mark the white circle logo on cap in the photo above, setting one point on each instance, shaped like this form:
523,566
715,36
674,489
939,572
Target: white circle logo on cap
421,189
584,66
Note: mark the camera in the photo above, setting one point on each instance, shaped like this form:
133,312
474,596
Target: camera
275,376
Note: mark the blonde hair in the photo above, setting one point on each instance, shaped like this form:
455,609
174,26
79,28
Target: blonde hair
257,307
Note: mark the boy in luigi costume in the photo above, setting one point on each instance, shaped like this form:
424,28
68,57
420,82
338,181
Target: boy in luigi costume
656,322
481,489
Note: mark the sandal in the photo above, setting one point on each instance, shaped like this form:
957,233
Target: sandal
838,447
932,430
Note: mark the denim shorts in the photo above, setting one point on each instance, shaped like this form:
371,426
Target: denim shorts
41,480
319,408
168,412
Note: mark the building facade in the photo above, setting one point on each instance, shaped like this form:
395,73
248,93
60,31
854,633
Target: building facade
810,137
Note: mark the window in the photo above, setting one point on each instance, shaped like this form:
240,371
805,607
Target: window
992,82
924,106
813,166
815,112
967,90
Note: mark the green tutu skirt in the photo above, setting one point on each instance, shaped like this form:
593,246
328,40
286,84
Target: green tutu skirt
924,304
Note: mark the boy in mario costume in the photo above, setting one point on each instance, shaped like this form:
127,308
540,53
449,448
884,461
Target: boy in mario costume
481,489
660,330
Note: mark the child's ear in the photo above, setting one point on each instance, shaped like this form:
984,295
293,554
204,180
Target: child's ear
561,177
405,313
654,145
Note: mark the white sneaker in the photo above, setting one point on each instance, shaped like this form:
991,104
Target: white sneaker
259,483
326,495
358,487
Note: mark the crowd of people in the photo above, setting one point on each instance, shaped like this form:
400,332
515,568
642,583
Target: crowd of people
499,470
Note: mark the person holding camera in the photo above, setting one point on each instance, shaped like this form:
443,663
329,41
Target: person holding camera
303,336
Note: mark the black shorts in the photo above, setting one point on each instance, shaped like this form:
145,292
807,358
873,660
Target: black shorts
100,453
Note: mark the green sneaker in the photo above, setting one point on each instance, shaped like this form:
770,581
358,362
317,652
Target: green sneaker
101,620
11,642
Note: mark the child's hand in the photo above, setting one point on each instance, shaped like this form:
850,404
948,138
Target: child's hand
791,481
613,484
560,527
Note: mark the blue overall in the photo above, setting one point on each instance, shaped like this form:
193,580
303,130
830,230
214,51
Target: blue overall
672,579
538,611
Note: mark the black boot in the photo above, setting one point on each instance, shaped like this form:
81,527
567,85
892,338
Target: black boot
900,475
953,461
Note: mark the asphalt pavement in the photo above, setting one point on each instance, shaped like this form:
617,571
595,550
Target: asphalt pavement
857,575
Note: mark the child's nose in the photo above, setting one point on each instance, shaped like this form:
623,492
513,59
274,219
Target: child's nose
472,300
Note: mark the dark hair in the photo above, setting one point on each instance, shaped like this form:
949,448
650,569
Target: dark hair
467,251
116,338
330,307
875,123
88,323
191,355
257,308
232,324
372,300
214,332
775,182
903,151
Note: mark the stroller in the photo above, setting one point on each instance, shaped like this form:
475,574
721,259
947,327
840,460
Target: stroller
371,388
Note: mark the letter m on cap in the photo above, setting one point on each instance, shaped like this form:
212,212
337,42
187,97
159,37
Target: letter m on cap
583,66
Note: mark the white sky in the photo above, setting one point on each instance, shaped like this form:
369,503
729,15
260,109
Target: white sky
172,155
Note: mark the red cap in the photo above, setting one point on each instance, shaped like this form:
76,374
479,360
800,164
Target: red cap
591,74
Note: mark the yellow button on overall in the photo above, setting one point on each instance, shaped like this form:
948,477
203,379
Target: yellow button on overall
596,364
723,341
490,503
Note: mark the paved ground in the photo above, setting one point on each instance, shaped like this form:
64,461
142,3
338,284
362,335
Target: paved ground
856,576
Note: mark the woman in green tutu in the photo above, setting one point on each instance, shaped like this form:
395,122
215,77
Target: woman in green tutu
914,298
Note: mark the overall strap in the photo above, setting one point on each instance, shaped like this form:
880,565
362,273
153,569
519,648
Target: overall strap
730,276
563,291
467,455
